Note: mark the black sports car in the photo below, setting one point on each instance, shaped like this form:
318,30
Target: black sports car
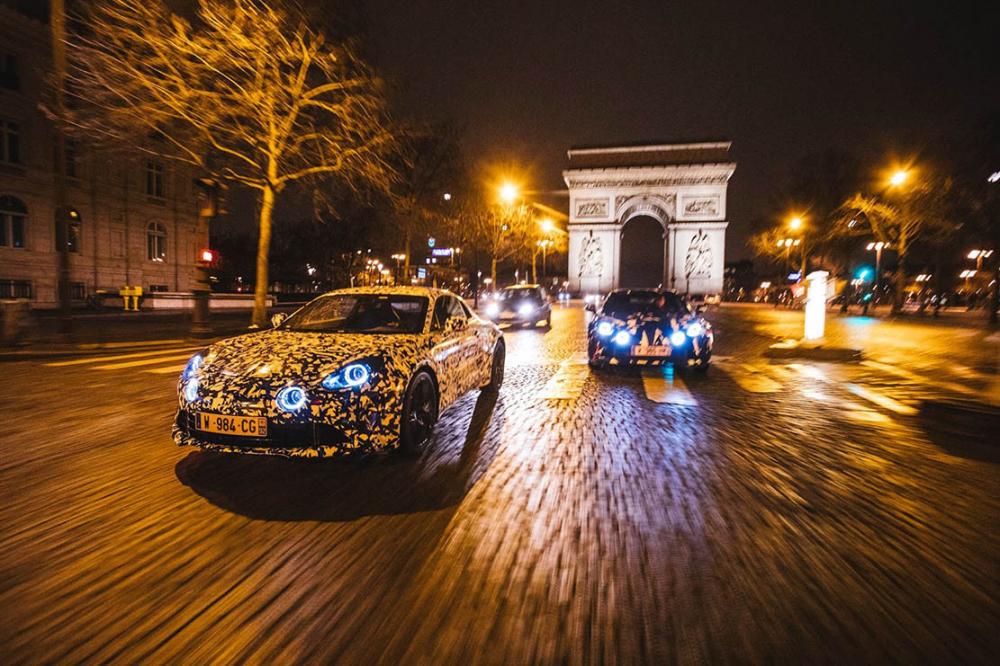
525,304
364,369
648,327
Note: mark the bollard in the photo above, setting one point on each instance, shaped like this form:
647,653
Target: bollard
136,295
815,305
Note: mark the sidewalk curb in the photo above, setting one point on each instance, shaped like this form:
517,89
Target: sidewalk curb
94,349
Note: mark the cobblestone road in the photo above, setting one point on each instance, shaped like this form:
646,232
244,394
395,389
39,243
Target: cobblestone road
793,511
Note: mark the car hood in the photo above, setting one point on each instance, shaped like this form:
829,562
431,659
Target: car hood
308,357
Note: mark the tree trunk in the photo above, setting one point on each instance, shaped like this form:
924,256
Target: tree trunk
263,248
897,301
407,237
493,272
534,273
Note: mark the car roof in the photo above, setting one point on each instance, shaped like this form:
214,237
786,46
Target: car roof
521,286
430,292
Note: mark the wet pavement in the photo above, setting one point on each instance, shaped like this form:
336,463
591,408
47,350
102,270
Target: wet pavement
767,511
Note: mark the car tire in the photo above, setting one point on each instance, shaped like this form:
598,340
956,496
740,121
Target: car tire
496,369
420,413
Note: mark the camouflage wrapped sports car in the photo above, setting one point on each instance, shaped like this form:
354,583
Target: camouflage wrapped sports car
365,369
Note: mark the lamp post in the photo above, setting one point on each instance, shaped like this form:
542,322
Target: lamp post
796,224
788,243
877,247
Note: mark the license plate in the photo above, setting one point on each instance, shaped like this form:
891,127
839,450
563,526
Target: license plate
239,426
650,350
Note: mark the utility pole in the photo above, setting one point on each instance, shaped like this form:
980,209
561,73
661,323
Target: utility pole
57,21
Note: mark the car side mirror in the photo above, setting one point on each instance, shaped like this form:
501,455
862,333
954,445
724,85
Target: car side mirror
276,319
590,307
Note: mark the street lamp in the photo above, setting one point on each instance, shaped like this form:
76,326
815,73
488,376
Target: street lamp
788,243
509,192
898,177
877,247
544,244
795,223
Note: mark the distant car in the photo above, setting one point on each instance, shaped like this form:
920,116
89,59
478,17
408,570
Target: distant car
366,369
648,327
526,304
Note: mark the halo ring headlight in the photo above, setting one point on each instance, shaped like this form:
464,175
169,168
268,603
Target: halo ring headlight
623,338
291,399
677,338
350,376
694,330
605,329
191,390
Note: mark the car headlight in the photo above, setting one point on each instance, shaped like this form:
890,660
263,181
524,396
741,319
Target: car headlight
191,390
290,399
193,365
492,309
694,330
605,329
623,338
350,376
526,309
677,338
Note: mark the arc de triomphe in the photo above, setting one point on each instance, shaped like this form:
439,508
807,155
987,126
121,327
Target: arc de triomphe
680,186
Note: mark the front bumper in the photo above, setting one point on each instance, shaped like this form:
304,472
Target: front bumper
301,436
694,352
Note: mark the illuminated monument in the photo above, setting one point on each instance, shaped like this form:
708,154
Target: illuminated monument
648,215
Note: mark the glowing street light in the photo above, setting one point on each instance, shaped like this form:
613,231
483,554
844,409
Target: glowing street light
509,192
547,225
979,255
795,223
899,177
446,196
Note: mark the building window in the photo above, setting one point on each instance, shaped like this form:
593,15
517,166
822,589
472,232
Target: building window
15,289
10,142
73,222
70,157
8,72
13,218
154,179
78,291
156,242
157,288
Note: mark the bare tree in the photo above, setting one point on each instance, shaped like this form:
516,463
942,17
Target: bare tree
246,90
919,210
502,231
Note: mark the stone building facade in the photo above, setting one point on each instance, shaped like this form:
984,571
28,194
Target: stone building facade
660,204
133,220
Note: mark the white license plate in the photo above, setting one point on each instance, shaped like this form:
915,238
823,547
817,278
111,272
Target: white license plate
238,426
650,350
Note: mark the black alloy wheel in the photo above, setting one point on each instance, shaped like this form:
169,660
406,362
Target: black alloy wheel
496,369
420,412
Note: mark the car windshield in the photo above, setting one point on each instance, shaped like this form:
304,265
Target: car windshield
625,304
360,313
516,293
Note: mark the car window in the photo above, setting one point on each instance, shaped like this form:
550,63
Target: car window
360,313
441,310
456,309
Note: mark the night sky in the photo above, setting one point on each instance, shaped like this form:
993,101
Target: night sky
526,80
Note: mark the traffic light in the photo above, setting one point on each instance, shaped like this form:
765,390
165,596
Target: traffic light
863,273
208,257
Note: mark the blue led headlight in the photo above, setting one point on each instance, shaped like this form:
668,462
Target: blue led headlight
350,376
290,399
694,330
623,338
677,338
191,390
605,329
193,364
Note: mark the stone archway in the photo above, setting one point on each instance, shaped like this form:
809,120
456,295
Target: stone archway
642,252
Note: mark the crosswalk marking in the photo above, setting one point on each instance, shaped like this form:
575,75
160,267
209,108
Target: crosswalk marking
880,400
913,377
118,357
170,370
143,361
752,378
665,387
568,381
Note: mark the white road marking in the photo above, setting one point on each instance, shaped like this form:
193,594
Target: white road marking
171,370
752,378
567,383
880,400
913,377
117,357
141,362
665,387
